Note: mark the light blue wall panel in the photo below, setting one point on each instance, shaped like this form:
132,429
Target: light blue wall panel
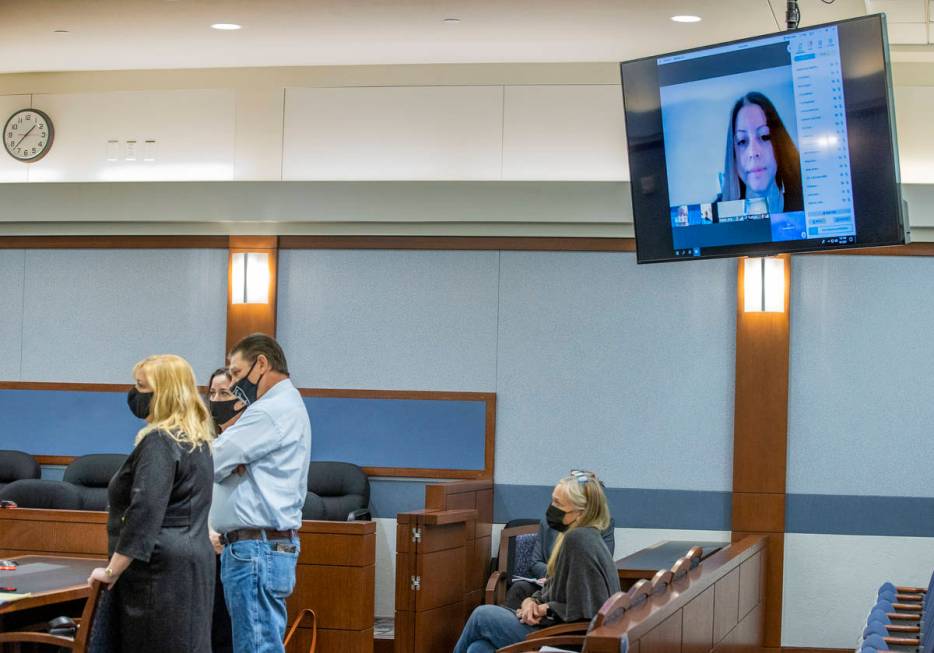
407,320
623,369
89,315
11,312
859,408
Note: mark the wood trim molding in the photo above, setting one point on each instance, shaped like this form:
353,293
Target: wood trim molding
72,387
504,243
244,319
113,242
912,249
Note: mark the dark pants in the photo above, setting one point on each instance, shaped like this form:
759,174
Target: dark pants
221,631
518,592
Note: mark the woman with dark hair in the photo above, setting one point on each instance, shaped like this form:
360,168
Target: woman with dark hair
761,157
224,408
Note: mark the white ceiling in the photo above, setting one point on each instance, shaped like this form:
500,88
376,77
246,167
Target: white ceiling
147,34
909,21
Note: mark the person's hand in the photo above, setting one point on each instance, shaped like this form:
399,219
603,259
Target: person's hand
540,610
541,581
526,612
99,574
216,541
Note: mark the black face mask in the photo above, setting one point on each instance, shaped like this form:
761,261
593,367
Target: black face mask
224,411
555,518
244,389
139,402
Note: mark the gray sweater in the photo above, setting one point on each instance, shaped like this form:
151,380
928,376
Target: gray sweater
585,577
546,542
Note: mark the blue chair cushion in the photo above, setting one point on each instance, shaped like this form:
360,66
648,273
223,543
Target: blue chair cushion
522,555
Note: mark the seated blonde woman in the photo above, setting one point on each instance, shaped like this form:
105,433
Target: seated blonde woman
581,573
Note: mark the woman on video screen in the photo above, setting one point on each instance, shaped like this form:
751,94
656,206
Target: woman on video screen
761,158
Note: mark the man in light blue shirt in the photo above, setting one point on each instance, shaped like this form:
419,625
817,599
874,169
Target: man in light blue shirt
261,476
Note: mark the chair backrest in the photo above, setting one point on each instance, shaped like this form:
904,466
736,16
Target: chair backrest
612,610
661,580
96,632
47,495
680,568
511,555
639,592
695,554
335,489
16,466
91,474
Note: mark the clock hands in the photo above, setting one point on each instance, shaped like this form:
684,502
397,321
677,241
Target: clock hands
24,136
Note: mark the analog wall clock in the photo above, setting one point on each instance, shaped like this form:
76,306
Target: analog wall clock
28,134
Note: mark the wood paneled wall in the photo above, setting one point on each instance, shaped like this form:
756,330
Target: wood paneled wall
760,434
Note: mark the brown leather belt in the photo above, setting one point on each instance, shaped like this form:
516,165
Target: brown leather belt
255,534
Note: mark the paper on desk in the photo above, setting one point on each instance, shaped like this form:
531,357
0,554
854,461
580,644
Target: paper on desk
9,597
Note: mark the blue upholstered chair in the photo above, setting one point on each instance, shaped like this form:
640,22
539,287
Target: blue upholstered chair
516,543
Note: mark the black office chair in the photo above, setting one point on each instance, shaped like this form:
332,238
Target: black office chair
90,475
38,493
336,492
16,466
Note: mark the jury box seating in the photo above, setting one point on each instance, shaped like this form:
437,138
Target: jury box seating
16,466
676,610
902,619
574,634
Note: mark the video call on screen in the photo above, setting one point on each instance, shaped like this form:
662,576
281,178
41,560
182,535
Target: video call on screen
756,143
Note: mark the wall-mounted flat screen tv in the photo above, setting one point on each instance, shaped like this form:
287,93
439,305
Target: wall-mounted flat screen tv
779,143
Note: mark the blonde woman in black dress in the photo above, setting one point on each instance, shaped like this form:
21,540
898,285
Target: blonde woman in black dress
161,566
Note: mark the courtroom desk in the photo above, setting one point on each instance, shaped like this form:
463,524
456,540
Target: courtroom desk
718,606
335,576
49,579
663,555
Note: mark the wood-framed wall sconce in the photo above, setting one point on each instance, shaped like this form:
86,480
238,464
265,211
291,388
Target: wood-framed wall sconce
251,286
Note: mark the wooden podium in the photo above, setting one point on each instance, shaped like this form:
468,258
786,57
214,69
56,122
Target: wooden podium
442,556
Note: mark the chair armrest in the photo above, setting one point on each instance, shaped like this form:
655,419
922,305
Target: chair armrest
901,616
910,598
24,637
902,641
360,514
536,644
494,587
570,628
895,628
911,590
906,607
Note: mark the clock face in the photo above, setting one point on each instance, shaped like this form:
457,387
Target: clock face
27,135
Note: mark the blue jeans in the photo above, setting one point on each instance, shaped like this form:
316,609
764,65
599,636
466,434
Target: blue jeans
257,579
489,628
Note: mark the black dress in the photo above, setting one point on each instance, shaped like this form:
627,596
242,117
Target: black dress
158,515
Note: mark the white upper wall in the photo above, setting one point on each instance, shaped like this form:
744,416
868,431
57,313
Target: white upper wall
494,122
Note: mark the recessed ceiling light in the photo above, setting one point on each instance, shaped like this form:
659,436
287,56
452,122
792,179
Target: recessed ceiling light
225,26
686,19
451,20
